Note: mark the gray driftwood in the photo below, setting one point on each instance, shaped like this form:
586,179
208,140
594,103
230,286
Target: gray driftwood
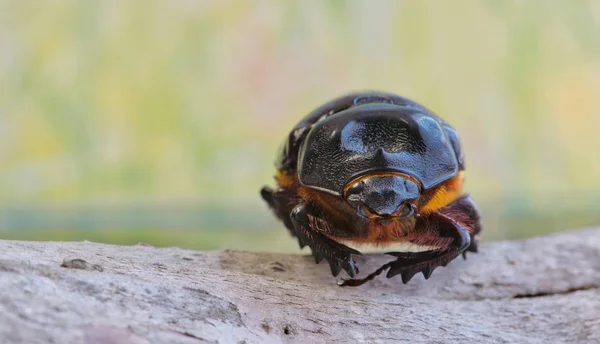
541,290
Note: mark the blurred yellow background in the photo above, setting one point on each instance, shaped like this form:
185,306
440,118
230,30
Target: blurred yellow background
158,121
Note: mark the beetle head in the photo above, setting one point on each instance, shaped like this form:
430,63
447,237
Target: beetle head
379,196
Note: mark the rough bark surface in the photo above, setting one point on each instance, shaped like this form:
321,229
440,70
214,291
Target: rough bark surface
541,290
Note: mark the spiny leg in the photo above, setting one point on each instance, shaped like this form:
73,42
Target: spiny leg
282,202
338,256
408,264
297,218
465,211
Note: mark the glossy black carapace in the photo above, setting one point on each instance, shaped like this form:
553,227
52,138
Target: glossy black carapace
375,170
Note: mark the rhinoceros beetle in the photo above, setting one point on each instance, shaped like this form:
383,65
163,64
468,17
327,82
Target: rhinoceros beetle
375,169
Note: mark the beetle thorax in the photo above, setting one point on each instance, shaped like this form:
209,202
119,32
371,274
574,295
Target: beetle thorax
375,138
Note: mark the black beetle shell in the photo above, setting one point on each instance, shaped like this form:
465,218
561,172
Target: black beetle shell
369,132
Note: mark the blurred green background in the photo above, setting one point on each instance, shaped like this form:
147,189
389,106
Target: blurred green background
158,121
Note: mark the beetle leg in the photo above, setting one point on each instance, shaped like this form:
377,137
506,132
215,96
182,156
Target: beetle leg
338,256
408,264
467,211
282,202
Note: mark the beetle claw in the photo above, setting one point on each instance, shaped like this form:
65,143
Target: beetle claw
350,268
427,271
301,243
335,268
346,263
473,247
358,282
393,271
408,274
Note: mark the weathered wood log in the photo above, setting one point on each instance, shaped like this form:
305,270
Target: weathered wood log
541,290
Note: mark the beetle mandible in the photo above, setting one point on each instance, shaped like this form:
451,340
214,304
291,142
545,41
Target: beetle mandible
375,169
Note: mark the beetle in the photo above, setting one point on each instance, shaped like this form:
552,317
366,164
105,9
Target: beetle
373,169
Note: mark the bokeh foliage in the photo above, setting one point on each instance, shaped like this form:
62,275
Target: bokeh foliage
161,104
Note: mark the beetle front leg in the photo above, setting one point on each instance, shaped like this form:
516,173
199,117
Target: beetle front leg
338,256
282,201
296,217
409,263
466,212
455,236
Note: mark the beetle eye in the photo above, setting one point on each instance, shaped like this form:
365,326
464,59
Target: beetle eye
353,193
